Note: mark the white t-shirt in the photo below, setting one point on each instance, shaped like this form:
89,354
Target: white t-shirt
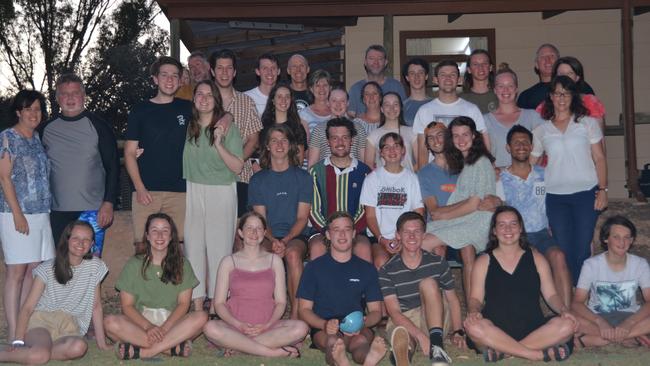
614,291
259,98
570,168
391,195
410,140
438,111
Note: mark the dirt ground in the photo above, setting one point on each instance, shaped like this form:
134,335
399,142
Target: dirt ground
118,248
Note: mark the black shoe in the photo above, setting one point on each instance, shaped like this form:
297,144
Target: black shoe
438,356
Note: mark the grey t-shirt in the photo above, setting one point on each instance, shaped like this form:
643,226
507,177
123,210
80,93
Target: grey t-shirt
356,104
411,109
77,176
498,133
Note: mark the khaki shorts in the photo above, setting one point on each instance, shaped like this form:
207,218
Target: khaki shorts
171,203
416,316
58,323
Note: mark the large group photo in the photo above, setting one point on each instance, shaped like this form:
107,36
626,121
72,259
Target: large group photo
442,192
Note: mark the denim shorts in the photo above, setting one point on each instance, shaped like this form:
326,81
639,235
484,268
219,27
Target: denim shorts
541,240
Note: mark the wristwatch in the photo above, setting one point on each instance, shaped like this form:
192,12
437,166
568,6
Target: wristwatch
603,189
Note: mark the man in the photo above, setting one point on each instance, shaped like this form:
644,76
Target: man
199,71
158,127
416,74
545,58
267,70
411,283
436,184
445,108
282,193
479,81
223,66
298,70
85,166
388,192
337,187
335,285
521,185
375,64
318,147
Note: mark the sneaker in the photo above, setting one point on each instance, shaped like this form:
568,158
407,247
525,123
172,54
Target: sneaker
438,356
399,344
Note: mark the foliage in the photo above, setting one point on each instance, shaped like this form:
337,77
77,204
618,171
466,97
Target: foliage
47,34
117,68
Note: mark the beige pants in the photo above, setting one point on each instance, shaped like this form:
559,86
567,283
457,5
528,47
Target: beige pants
59,323
210,221
170,203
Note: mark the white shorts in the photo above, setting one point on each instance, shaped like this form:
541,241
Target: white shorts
19,248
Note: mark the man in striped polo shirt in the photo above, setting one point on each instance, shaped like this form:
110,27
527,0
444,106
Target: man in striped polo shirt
410,283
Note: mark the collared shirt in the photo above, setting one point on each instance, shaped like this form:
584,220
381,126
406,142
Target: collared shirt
242,108
528,196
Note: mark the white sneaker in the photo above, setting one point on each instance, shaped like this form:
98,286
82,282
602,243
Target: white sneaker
438,356
399,343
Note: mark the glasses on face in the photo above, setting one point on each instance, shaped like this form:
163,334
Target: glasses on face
561,94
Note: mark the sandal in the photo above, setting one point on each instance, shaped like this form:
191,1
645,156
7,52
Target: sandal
127,351
292,351
181,349
492,355
557,356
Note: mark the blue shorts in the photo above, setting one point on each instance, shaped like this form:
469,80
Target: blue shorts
541,240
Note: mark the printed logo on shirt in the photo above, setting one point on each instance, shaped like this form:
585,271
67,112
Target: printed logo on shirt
181,120
392,197
354,280
449,188
278,194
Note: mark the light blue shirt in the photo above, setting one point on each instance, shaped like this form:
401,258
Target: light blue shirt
527,196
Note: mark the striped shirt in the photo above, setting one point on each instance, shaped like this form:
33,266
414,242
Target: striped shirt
397,279
337,190
76,297
244,113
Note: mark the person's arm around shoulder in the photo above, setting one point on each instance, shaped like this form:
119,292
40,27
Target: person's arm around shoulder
9,190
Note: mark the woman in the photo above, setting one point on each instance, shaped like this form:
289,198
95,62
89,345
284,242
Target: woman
371,97
610,281
281,108
500,121
392,120
155,295
576,174
469,204
319,111
251,298
212,158
572,67
504,316
62,301
25,200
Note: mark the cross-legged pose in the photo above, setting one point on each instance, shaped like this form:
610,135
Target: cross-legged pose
155,294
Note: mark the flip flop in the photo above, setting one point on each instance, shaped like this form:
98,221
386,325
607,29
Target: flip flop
127,351
181,349
556,353
492,355
291,351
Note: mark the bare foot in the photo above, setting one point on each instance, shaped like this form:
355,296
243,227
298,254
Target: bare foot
644,340
376,353
338,353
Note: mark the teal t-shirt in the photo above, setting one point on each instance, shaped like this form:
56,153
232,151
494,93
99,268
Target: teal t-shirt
202,163
152,292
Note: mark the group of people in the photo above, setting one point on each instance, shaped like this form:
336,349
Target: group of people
234,191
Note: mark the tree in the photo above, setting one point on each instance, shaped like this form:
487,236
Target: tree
117,68
47,37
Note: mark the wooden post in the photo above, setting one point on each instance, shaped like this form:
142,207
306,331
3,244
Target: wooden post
628,102
388,42
175,38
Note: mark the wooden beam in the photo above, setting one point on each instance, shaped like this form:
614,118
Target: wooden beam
453,17
551,13
229,9
175,39
388,42
628,102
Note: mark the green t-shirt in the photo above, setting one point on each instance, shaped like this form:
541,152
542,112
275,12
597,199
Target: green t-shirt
152,292
202,163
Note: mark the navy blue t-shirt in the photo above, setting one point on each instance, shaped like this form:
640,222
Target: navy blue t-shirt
280,193
161,130
337,289
533,96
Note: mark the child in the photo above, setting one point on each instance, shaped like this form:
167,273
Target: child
155,293
64,297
